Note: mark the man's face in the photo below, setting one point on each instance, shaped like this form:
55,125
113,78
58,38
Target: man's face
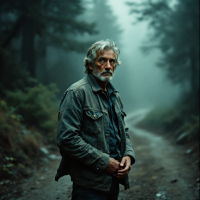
104,65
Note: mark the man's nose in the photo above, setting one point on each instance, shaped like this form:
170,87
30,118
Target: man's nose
108,66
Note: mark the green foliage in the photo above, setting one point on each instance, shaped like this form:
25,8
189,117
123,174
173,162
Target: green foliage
19,146
8,118
37,105
12,141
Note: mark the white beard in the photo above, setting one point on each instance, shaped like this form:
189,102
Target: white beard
99,76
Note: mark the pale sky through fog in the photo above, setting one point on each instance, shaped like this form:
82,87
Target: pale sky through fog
145,82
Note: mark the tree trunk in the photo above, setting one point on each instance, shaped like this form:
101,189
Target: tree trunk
14,31
27,48
194,81
194,71
42,72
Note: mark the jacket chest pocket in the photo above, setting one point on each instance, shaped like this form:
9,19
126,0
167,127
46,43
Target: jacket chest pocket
121,115
92,122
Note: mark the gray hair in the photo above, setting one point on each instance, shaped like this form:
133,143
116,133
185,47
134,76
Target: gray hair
100,45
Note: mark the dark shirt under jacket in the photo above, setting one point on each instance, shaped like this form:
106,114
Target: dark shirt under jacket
115,140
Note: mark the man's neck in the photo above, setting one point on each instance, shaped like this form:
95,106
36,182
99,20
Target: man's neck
101,83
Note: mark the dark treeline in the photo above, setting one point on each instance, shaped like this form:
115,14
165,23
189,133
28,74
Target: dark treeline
175,32
28,28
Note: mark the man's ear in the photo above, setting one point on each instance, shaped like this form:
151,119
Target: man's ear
90,66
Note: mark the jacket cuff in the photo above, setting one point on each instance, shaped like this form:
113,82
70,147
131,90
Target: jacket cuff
103,163
132,155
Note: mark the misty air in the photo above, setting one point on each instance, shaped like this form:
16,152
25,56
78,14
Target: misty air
99,100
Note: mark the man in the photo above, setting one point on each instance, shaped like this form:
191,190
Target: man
92,135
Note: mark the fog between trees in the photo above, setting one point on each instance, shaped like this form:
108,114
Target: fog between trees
45,42
50,39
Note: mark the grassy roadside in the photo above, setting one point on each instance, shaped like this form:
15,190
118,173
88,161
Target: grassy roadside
173,121
28,120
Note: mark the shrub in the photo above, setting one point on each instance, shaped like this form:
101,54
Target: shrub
27,119
37,105
13,142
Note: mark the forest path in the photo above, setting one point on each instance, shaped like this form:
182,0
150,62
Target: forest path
162,171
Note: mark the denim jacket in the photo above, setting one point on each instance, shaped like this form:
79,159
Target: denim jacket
83,135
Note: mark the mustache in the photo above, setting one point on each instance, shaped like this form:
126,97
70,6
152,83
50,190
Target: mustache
107,71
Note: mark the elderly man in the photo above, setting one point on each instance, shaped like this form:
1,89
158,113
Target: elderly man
92,136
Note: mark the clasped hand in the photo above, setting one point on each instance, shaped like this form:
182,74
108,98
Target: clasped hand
120,170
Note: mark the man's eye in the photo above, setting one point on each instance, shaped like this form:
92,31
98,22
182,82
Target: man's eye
112,61
102,60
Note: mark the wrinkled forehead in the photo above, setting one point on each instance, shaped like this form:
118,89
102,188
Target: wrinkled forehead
107,53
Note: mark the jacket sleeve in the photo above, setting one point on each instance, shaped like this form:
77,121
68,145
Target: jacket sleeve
129,147
68,134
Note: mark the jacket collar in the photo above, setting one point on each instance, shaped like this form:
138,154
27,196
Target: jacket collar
95,85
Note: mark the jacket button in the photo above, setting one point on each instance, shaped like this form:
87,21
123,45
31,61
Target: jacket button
94,116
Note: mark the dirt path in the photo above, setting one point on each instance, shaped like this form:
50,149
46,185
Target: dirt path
162,171
43,186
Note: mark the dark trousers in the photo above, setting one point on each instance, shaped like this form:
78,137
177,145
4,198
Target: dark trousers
84,193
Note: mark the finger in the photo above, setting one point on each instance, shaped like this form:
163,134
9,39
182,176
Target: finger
123,162
125,169
122,176
126,172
